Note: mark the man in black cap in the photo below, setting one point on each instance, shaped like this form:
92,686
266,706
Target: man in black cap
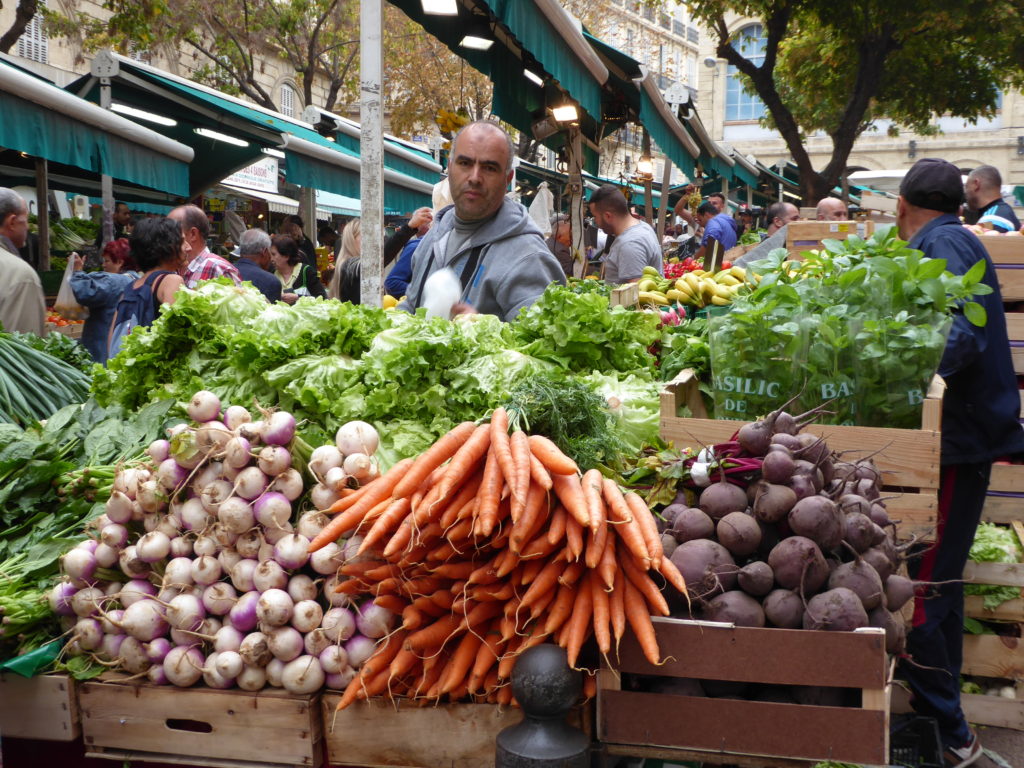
979,424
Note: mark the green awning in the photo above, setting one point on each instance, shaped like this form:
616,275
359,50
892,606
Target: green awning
46,122
668,137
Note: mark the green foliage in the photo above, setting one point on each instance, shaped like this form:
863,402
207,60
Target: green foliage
994,544
60,347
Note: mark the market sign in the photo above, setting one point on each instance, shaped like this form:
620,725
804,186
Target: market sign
261,176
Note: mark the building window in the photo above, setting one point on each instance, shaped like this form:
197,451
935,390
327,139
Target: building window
629,41
693,35
287,100
678,28
136,54
648,13
740,105
33,44
664,21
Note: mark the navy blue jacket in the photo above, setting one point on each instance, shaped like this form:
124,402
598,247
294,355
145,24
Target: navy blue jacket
981,409
397,281
266,282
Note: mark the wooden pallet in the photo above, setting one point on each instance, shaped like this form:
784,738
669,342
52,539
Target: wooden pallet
807,235
42,707
908,458
201,726
734,731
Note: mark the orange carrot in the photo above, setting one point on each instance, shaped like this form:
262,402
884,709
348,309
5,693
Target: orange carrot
628,528
403,663
540,547
640,620
460,663
520,446
530,518
672,575
530,571
593,487
580,621
589,686
464,462
376,492
387,521
539,473
571,574
542,604
556,528
574,537
617,610
413,617
347,500
570,493
501,445
648,526
561,609
489,493
551,456
393,603
433,636
433,457
460,570
643,584
545,582
401,538
601,615
608,566
486,658
596,542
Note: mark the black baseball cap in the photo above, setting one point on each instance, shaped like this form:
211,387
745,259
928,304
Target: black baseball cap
933,184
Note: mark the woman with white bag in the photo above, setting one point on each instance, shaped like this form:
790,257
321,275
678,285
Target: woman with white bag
100,291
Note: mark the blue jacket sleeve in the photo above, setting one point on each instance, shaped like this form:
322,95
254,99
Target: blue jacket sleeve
966,341
397,281
98,289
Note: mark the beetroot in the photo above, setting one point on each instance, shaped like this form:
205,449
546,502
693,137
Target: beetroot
895,629
792,442
669,513
899,590
721,498
739,533
813,448
836,610
879,515
859,577
859,532
773,502
798,564
735,607
784,608
819,520
880,561
778,465
755,437
811,471
756,578
668,544
802,486
706,566
691,523
851,502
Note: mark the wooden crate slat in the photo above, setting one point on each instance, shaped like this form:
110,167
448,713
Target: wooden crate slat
745,727
43,708
994,656
378,735
1011,282
993,710
807,235
1000,574
1011,610
1002,509
159,720
800,657
1007,478
1004,250
1015,326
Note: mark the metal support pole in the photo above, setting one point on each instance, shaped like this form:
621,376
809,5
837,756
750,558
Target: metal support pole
666,179
106,182
371,151
576,212
43,213
648,182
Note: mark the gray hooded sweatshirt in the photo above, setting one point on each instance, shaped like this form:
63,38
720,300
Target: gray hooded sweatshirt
514,268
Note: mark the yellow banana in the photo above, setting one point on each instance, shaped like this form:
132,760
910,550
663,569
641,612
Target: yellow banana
650,297
718,301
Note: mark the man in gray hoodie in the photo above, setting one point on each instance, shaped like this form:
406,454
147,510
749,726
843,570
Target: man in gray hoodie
489,241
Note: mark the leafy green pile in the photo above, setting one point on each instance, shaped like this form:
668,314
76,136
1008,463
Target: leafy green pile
327,362
60,346
994,544
860,325
34,384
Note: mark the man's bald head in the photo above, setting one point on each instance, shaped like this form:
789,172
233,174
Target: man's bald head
832,209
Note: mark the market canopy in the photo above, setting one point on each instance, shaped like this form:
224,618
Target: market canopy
228,134
46,122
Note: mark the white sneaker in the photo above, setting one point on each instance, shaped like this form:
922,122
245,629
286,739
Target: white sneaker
958,757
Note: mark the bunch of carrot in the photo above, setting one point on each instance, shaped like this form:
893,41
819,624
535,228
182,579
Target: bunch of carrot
487,544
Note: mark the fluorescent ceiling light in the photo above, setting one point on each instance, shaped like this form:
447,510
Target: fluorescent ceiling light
221,137
440,7
124,109
533,78
476,43
274,153
565,114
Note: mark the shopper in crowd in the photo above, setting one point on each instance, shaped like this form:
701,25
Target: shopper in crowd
718,228
101,291
328,239
160,250
122,221
347,275
717,199
397,282
779,216
294,228
636,244
22,305
984,198
832,209
486,238
682,207
254,263
560,242
204,265
980,411
297,278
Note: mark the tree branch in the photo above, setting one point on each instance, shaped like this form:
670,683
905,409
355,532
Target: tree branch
22,16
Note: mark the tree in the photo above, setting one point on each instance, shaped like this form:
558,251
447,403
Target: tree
839,65
22,16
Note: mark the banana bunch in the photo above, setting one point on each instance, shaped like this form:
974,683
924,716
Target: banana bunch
698,288
450,122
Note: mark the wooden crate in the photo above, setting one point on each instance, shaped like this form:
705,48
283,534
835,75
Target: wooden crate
626,295
201,726
807,235
42,707
1007,254
907,458
720,730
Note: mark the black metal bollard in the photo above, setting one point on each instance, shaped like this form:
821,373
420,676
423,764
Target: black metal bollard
546,689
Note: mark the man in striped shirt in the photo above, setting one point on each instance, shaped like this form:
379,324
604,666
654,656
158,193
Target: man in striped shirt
195,227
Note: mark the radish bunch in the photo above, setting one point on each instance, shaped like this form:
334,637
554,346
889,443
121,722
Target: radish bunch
807,543
199,568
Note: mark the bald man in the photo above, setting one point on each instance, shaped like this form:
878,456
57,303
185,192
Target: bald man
832,209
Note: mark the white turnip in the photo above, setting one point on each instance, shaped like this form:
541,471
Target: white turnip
183,665
274,608
301,587
307,615
254,650
219,598
357,437
144,620
324,458
292,551
252,678
269,575
242,575
203,406
303,675
339,624
289,483
285,643
274,460
242,615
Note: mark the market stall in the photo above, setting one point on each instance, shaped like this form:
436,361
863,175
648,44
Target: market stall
286,531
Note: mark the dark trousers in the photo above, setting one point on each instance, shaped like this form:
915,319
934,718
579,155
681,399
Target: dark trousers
935,643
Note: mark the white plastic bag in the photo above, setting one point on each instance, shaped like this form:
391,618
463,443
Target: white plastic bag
66,305
441,292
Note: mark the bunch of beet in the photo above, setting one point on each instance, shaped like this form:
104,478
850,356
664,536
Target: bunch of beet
807,544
